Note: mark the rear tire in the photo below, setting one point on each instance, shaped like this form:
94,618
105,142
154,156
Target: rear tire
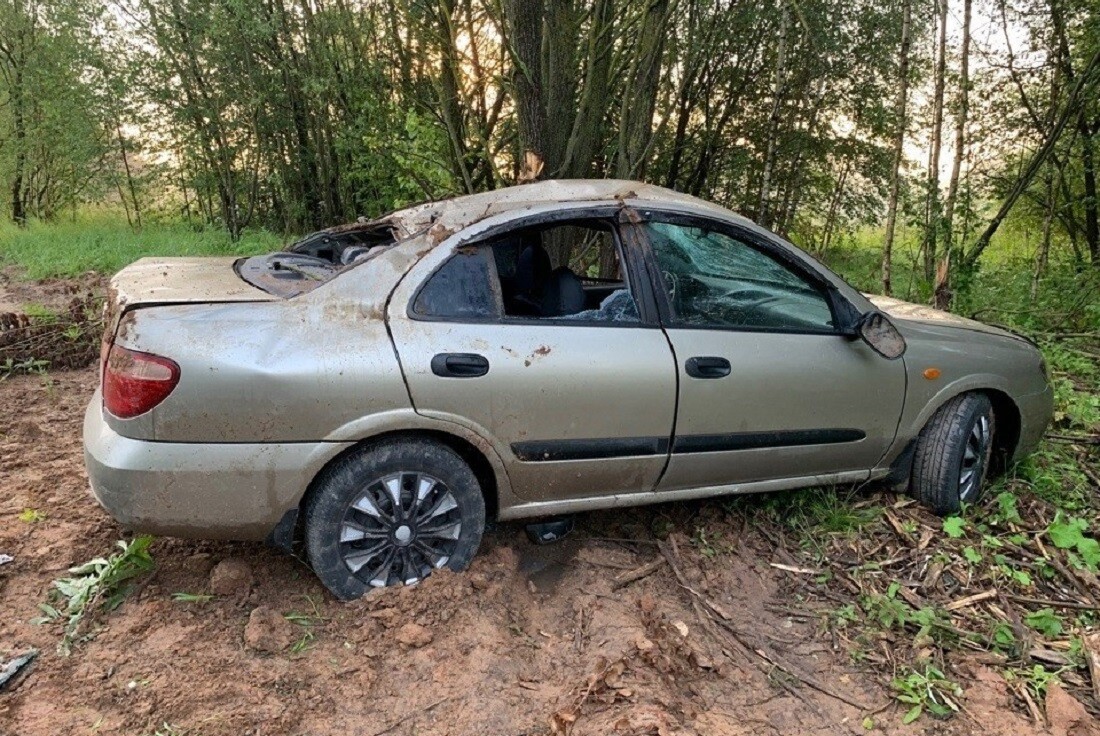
391,513
952,455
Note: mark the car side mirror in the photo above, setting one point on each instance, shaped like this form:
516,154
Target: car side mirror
879,332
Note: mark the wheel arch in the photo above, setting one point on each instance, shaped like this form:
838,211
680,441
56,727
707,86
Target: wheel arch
1006,429
1006,435
479,455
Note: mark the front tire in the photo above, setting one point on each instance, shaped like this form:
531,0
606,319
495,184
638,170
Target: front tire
952,455
390,514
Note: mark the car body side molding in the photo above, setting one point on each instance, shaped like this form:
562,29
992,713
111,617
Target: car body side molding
589,449
691,443
595,449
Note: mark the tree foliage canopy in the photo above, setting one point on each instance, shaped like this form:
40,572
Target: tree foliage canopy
295,114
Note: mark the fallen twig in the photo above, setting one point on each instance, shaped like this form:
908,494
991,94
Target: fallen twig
971,600
1084,439
626,578
1051,603
709,609
794,569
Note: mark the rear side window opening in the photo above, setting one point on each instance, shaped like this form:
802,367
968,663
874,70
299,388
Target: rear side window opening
570,271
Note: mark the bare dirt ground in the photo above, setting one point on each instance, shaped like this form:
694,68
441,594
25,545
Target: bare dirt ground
530,640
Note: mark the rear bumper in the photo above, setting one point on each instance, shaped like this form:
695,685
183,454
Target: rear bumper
210,491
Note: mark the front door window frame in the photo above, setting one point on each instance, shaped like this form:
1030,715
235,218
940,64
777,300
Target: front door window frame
638,235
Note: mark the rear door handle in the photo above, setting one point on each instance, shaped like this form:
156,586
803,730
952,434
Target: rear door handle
460,365
707,367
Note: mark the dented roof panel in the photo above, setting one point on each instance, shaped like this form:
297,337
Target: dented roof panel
447,216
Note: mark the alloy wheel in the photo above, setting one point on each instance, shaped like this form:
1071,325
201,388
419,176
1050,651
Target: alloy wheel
400,528
975,456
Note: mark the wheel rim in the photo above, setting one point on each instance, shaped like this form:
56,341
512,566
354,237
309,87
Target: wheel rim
400,528
974,457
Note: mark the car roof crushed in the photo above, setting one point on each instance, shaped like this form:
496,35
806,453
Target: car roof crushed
322,255
448,216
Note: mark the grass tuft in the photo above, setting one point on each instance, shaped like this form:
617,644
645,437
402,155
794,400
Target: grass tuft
97,240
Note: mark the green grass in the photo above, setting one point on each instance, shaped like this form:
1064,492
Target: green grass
100,240
1000,293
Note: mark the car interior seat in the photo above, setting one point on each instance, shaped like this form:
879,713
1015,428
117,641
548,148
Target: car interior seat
564,293
533,269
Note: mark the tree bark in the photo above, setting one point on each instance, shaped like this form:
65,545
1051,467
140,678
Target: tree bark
1043,253
640,96
941,294
899,142
524,20
19,130
933,210
1088,166
778,85
129,176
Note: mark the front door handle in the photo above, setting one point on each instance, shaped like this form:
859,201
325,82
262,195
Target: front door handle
460,365
707,367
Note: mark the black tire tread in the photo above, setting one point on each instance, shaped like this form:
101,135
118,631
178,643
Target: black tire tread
330,487
935,477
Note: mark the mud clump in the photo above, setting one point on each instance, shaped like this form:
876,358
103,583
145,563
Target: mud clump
268,631
231,577
414,635
1067,716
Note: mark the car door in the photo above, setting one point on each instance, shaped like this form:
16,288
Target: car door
579,399
768,387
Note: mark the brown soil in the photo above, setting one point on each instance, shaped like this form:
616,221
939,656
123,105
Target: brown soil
530,640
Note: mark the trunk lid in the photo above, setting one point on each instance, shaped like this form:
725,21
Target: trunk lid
158,281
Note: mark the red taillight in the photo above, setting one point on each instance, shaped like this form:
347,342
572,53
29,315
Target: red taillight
135,382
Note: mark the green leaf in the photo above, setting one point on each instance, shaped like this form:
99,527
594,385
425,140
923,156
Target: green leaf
913,714
1089,549
953,526
972,555
1045,621
49,610
1003,636
1007,503
1066,534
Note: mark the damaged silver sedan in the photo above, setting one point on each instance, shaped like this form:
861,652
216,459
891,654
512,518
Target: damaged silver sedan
380,389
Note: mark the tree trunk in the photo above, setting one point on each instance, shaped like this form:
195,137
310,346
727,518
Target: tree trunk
933,209
899,141
1069,110
941,295
587,126
834,204
1044,245
450,105
1088,166
640,96
19,135
778,84
129,176
524,21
